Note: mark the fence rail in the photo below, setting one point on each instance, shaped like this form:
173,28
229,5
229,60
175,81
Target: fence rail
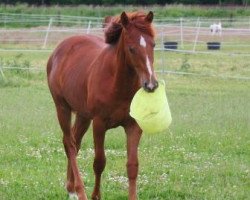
190,34
233,41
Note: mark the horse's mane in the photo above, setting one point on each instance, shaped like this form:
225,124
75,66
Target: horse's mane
113,26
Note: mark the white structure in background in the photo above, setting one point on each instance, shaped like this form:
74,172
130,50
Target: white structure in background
216,29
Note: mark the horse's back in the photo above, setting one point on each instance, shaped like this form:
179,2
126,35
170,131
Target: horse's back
69,65
86,47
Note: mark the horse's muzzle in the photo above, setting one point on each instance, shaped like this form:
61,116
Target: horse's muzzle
150,86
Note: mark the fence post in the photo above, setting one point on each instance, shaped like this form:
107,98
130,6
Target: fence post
181,33
1,71
197,22
88,29
47,33
197,35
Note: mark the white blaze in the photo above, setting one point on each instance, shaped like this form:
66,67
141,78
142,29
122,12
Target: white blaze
150,85
143,42
148,66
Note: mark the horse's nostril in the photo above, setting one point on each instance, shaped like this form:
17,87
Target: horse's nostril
149,86
156,84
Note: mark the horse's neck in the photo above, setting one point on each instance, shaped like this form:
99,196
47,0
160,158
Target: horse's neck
125,77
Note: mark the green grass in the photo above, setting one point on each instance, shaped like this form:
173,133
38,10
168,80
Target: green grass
204,155
215,64
35,59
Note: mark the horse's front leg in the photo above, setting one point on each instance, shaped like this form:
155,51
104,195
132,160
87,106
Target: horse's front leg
100,159
133,132
78,131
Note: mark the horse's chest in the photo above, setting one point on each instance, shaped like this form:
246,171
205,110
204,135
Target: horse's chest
115,115
112,107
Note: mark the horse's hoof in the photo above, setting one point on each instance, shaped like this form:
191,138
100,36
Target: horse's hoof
73,196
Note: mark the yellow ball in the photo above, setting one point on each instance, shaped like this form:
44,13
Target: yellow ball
151,110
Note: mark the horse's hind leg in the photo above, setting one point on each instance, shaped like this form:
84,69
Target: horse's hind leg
64,117
99,130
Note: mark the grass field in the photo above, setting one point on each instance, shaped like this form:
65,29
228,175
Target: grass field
204,155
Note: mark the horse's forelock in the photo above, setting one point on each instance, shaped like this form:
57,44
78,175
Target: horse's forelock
114,26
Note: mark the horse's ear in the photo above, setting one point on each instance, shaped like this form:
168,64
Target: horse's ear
106,21
124,19
150,16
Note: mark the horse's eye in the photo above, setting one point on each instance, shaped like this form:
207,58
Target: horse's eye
132,49
153,44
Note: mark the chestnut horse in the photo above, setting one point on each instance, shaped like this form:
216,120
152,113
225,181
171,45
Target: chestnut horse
96,80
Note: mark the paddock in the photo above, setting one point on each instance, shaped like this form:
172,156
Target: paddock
203,155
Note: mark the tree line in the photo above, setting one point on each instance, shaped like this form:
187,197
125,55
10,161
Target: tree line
133,2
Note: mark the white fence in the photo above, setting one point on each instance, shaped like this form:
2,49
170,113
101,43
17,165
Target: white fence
190,34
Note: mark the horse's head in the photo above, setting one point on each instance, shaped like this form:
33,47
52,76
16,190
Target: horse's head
136,38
